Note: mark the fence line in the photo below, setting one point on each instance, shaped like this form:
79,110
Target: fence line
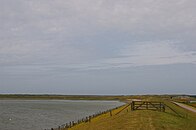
173,110
135,105
123,109
83,120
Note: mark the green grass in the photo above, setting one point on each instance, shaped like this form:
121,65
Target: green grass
143,120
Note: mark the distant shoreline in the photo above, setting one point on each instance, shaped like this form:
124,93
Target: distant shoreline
122,98
58,97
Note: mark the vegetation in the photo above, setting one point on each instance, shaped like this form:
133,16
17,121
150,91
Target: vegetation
61,97
88,97
193,104
181,119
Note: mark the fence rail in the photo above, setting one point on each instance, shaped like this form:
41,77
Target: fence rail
135,105
86,119
147,105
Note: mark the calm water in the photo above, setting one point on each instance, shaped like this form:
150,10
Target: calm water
42,114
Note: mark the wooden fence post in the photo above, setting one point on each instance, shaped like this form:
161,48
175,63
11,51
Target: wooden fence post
110,113
147,105
132,105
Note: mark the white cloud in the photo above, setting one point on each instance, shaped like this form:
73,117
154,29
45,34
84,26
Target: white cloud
84,16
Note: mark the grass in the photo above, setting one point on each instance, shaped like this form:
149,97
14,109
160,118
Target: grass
143,120
193,104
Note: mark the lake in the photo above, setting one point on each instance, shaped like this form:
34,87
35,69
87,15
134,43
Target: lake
44,114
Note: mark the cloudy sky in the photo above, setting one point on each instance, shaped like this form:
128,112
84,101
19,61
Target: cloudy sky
98,46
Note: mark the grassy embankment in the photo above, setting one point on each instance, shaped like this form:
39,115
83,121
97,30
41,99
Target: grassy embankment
142,120
131,120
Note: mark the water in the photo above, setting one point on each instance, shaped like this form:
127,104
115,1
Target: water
43,114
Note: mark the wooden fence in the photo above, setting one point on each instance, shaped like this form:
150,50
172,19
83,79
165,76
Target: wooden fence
135,105
86,119
147,105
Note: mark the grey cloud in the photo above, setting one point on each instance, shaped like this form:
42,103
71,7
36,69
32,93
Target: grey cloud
64,37
42,31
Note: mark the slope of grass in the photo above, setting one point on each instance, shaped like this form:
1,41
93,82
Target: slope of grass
143,120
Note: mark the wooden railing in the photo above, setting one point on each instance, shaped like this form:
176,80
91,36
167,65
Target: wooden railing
86,119
147,105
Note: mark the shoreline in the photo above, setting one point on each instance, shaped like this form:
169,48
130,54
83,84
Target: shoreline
88,119
61,97
121,116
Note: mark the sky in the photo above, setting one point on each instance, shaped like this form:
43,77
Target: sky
98,47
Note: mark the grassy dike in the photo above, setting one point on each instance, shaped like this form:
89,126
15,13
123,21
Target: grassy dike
142,120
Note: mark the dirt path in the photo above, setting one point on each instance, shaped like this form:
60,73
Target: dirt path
185,106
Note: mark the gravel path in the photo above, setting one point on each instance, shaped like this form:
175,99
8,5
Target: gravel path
185,106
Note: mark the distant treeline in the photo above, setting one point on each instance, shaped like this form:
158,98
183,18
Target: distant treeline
194,96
